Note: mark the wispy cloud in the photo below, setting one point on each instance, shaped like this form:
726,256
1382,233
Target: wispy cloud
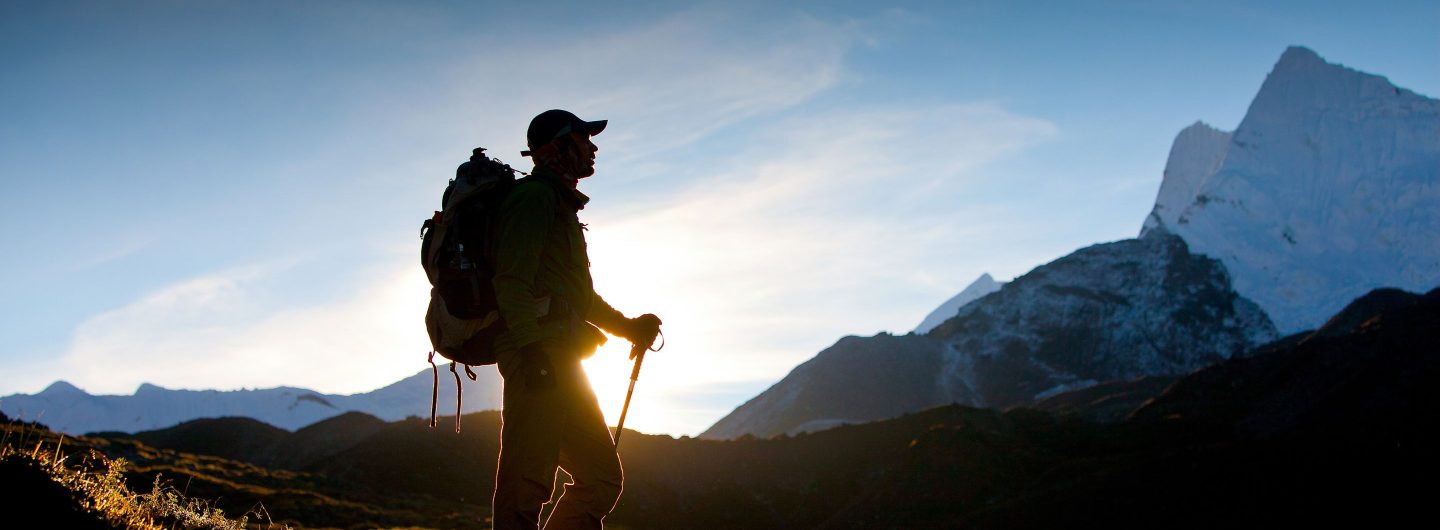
225,330
671,82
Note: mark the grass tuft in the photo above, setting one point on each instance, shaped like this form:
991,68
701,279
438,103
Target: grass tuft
92,488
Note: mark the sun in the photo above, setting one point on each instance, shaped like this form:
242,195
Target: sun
609,371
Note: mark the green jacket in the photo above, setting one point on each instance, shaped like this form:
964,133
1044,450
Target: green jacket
540,252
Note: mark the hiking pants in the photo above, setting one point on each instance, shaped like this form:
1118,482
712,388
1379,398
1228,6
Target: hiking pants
544,428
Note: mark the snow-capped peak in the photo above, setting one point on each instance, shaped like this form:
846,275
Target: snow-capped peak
982,286
1326,190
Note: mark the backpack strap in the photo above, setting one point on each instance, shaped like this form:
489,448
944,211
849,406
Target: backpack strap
459,392
434,388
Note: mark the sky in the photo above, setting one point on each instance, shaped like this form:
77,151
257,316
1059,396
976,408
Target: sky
225,195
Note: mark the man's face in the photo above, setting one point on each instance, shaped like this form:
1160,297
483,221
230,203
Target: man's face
584,153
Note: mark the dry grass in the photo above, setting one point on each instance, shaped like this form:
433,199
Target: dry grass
97,484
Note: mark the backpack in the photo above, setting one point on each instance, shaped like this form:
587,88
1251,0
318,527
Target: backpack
456,250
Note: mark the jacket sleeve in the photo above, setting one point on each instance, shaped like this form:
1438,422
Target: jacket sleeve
524,219
605,316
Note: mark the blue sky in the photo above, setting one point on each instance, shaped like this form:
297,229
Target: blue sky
228,194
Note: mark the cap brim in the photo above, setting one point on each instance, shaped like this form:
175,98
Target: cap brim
593,128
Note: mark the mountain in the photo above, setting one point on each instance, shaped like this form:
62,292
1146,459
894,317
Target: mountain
1327,189
1334,428
1310,435
320,440
1117,310
854,381
980,287
70,410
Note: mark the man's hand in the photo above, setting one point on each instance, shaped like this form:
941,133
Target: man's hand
535,367
641,330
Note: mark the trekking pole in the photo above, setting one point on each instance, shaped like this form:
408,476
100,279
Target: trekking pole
638,352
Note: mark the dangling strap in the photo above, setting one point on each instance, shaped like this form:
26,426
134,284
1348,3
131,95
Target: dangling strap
459,393
469,373
434,388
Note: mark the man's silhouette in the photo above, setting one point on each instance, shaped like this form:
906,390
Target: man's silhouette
542,283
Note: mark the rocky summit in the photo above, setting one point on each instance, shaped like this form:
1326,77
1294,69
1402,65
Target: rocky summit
1111,311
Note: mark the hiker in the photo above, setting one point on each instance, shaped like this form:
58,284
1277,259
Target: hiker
543,286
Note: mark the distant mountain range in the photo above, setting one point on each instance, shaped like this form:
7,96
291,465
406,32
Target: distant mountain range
1310,430
68,409
1327,189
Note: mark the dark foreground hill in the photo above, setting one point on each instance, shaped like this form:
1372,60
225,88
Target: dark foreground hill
1323,428
251,441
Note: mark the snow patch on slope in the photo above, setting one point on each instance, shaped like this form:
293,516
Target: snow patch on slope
1195,155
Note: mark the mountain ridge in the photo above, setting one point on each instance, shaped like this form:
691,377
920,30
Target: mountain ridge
70,410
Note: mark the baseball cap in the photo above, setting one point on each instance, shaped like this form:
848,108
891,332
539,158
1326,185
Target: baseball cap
554,123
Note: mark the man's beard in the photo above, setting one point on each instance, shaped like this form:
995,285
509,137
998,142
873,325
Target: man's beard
583,169
578,166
